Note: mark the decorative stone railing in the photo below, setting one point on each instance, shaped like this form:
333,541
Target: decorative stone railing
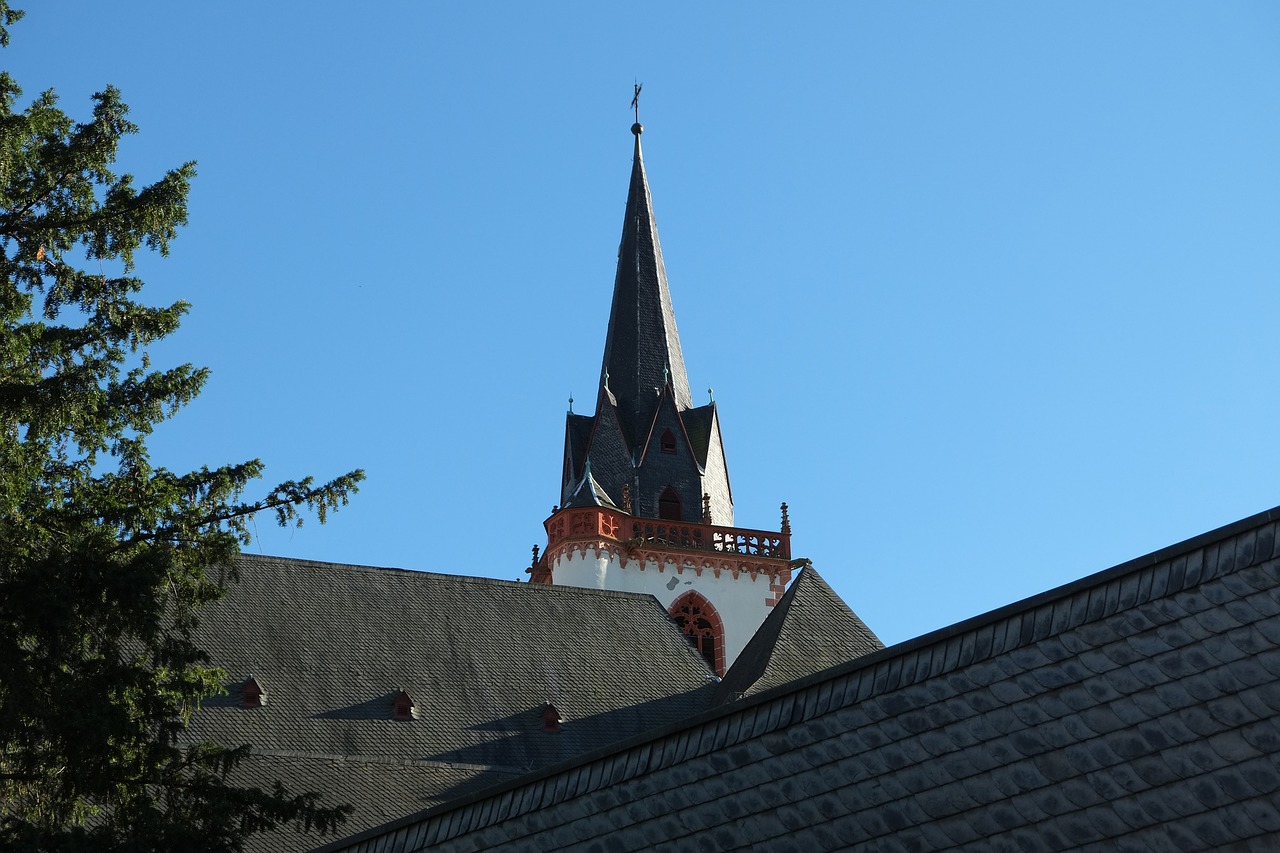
600,523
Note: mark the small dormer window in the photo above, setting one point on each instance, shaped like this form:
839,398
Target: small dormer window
252,695
402,707
551,719
668,442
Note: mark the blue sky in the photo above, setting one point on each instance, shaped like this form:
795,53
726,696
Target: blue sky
987,292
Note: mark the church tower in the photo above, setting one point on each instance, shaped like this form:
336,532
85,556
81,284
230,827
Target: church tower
645,503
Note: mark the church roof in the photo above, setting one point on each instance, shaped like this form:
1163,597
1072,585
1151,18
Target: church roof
1135,709
333,646
642,348
809,630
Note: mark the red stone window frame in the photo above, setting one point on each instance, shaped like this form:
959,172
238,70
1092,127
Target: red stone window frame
701,623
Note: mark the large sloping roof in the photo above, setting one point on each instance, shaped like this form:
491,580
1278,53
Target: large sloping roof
332,645
1137,709
809,630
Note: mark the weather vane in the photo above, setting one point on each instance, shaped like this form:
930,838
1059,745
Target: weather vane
635,101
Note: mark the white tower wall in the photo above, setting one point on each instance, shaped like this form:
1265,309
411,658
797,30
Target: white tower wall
741,598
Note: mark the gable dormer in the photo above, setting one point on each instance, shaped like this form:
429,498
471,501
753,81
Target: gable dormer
667,463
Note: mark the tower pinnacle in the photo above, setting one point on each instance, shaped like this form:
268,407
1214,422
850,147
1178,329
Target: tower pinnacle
645,436
642,343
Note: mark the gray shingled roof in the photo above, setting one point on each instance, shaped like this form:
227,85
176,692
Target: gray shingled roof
809,630
381,789
1137,709
333,644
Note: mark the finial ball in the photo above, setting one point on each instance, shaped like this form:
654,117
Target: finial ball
637,128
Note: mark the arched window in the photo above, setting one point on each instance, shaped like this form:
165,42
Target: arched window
668,442
702,625
669,505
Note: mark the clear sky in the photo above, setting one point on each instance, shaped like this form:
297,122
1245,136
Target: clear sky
987,292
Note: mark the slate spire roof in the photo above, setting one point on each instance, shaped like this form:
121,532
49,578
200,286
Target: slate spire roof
644,399
642,350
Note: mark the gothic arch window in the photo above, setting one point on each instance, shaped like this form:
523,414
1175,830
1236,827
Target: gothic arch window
702,625
668,442
669,505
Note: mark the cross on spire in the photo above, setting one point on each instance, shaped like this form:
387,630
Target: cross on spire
635,101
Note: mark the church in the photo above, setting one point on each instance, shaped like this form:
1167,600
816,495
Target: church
667,679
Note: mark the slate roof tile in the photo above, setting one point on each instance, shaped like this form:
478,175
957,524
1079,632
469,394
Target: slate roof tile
1233,747
1101,720
1193,601
1269,660
1032,713
1122,654
1103,690
1264,736
1210,685
1191,760
1153,770
1263,814
1248,640
1053,705
1128,712
1218,620
1211,830
1174,728
1146,671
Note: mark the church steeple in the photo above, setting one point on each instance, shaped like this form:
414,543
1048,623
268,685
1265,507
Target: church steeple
645,504
642,349
646,437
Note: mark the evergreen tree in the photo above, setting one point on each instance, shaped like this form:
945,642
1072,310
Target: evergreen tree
105,559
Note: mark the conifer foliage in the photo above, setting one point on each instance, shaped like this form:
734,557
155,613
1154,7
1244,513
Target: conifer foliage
105,559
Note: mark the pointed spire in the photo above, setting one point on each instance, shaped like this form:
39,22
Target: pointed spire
642,350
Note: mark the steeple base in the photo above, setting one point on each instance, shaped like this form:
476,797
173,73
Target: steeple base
719,582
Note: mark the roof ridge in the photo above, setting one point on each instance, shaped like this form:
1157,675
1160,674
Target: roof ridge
375,759
535,589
